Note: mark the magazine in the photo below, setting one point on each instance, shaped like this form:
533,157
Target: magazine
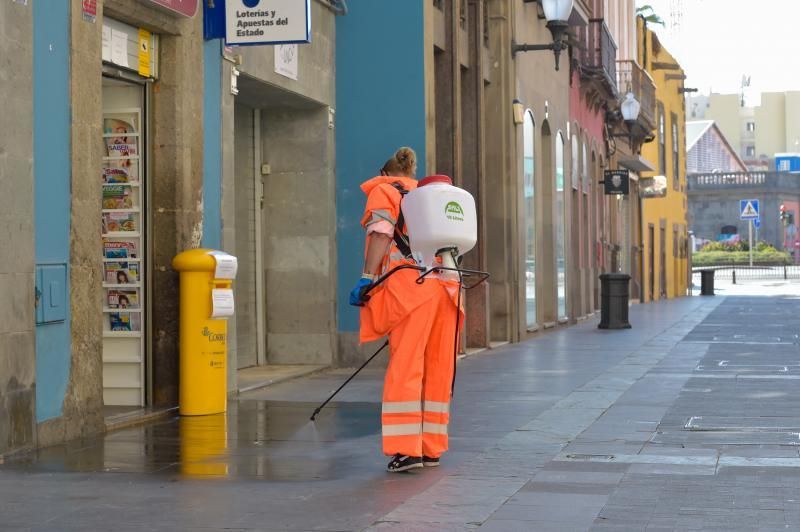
123,299
118,222
122,144
117,197
124,322
122,272
119,250
120,172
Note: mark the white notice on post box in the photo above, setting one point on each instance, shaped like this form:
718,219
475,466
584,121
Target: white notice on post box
221,303
227,265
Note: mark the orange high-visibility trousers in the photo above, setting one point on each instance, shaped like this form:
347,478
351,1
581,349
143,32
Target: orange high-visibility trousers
418,383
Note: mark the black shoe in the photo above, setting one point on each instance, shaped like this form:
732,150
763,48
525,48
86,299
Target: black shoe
427,461
402,463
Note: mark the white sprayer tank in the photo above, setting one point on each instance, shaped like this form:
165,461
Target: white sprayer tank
439,215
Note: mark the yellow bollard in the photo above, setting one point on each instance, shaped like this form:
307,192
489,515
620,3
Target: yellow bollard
203,339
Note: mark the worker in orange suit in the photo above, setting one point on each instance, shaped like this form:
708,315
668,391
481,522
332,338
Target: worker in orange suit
419,319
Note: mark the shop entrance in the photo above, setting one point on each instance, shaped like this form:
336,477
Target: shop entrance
124,256
248,197
278,217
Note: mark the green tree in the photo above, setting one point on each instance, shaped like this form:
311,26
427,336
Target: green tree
649,14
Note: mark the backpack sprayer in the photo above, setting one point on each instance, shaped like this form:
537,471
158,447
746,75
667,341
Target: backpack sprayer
442,225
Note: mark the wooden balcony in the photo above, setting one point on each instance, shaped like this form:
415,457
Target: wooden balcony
598,58
633,78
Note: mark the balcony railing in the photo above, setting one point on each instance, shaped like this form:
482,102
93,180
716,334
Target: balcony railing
633,78
725,180
599,55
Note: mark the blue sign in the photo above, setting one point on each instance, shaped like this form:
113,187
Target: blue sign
749,209
757,223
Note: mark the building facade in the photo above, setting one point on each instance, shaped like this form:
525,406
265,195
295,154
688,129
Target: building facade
260,151
665,260
276,123
100,302
709,151
714,206
757,132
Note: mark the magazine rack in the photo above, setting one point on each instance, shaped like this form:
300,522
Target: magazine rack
123,267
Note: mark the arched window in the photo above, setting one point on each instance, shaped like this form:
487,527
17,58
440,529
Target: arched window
560,222
529,198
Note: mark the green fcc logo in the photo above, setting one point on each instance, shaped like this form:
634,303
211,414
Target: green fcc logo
454,212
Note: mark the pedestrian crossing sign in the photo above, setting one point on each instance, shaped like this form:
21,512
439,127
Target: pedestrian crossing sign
748,209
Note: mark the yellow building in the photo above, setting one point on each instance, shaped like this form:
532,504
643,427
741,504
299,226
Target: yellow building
664,205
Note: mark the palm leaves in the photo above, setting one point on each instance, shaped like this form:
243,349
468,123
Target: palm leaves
649,14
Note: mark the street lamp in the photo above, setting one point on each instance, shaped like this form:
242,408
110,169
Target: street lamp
629,112
630,108
557,13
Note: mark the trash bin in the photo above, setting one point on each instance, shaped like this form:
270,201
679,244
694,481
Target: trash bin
707,282
614,296
206,301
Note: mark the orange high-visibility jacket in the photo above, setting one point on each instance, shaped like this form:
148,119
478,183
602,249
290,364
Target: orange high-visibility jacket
400,294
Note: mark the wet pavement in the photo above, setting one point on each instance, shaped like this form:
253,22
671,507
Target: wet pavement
688,421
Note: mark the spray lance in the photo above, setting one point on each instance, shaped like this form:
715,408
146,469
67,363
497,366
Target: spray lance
442,225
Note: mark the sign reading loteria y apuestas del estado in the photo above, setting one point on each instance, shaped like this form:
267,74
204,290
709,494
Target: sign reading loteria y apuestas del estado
267,21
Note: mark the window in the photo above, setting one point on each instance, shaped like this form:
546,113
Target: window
676,168
529,198
561,266
751,126
575,162
784,165
750,151
662,140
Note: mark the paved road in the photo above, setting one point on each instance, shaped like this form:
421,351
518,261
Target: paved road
687,421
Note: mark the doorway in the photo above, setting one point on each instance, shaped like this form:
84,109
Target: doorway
663,263
124,286
652,261
250,338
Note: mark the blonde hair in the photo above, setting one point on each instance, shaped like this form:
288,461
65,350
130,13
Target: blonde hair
403,163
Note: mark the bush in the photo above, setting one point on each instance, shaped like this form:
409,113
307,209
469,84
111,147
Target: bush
725,258
726,247
763,247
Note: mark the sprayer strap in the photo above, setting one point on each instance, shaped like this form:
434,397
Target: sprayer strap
400,238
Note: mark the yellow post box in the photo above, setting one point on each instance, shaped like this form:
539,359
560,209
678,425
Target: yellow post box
206,301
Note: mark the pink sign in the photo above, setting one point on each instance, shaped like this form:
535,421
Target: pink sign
187,8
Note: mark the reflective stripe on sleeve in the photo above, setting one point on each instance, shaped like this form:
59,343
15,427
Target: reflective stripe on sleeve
381,215
402,407
434,428
408,429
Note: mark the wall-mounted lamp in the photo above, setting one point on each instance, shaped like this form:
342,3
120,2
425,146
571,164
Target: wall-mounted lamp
519,112
628,112
557,13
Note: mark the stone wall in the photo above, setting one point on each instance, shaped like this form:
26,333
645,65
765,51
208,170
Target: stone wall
17,357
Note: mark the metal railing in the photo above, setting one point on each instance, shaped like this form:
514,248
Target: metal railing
741,179
599,54
633,78
739,273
